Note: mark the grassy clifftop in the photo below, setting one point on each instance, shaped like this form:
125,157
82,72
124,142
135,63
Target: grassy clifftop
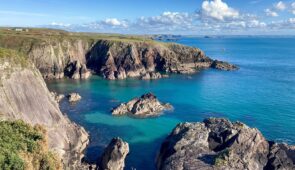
25,147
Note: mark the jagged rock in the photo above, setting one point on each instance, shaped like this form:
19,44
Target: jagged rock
74,97
281,157
145,106
57,97
219,144
221,65
76,70
112,59
114,155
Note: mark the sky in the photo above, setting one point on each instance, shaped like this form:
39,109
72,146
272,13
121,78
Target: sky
187,17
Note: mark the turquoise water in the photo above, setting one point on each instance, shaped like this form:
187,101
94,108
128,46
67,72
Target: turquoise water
261,94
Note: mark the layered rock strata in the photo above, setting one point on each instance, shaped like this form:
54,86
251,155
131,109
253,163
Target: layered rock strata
24,95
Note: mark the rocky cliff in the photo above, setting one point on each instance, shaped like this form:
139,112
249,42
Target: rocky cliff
24,95
220,144
121,59
75,56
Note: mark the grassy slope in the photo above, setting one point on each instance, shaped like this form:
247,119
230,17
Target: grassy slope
22,41
25,147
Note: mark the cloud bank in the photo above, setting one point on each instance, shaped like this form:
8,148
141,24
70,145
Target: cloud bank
213,16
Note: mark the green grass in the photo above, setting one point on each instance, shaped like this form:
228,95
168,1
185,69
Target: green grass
24,147
13,57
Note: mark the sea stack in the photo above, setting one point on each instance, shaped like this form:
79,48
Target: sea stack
145,106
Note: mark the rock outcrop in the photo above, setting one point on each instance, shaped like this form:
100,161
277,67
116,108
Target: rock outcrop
120,59
74,97
220,144
114,155
221,65
24,95
145,106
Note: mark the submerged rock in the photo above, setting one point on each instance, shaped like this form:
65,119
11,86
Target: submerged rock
145,106
74,97
114,155
220,144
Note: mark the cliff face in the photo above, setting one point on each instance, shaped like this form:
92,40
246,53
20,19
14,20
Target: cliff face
55,57
113,58
24,95
119,59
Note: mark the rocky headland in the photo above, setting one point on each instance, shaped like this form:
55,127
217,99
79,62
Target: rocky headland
24,95
220,144
145,106
62,54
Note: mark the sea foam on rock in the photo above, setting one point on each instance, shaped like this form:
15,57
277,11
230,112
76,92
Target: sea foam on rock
217,144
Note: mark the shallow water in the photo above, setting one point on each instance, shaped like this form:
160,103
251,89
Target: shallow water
260,94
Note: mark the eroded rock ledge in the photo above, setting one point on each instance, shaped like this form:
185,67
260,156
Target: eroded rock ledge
145,106
220,144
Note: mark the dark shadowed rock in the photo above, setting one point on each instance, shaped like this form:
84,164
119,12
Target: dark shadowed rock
145,106
114,155
281,157
220,144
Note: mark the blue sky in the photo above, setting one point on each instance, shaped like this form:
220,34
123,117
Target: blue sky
154,16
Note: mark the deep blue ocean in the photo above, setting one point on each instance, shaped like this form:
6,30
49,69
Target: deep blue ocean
260,94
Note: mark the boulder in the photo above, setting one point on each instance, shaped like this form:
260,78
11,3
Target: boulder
145,106
74,97
219,144
113,157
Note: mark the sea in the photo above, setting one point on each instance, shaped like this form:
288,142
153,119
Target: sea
261,94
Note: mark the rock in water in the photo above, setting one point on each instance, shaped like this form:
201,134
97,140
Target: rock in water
221,65
114,155
74,97
146,106
57,97
220,144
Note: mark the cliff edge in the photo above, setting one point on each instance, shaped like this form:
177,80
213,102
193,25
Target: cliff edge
24,95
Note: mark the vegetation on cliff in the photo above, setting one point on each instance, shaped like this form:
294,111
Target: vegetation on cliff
25,147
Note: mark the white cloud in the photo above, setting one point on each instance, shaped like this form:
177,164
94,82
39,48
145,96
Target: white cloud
271,13
112,22
60,24
280,6
218,10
